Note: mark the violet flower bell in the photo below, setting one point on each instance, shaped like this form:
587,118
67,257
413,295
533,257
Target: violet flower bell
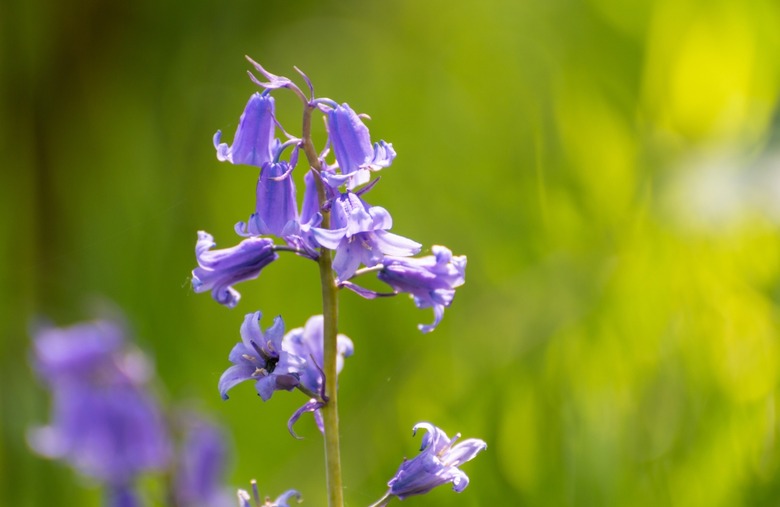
430,280
254,140
276,210
218,270
436,464
359,234
105,423
308,343
245,500
351,143
260,356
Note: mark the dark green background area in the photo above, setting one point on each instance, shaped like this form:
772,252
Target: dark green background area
609,168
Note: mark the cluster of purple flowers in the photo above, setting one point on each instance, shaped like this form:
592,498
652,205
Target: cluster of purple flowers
282,362
109,427
358,233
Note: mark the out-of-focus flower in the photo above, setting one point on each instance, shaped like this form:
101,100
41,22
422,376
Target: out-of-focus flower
254,140
218,270
436,464
430,280
260,357
351,143
359,234
105,423
244,500
201,463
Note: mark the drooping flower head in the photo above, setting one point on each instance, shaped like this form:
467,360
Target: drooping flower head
260,357
359,235
436,464
244,500
351,143
254,140
430,280
219,270
105,423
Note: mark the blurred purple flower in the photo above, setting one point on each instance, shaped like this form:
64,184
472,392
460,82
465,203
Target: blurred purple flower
260,357
351,143
254,140
201,464
104,422
359,234
219,269
244,500
437,464
430,280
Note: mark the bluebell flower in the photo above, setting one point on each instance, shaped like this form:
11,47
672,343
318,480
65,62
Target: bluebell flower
308,343
201,463
430,280
254,140
218,270
436,464
276,209
105,423
359,234
351,143
261,357
244,500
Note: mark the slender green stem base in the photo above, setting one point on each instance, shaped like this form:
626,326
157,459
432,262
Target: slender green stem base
330,414
382,501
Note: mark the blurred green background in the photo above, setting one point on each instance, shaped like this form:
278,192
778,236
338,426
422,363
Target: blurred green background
611,169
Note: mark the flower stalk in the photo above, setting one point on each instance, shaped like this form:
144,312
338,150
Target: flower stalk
330,414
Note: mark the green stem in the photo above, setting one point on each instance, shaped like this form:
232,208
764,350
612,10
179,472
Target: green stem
382,501
330,415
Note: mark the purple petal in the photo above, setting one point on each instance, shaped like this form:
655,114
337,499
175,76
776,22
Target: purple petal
438,314
266,386
310,406
276,201
384,154
350,139
395,245
464,451
349,255
281,500
328,238
233,376
254,137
